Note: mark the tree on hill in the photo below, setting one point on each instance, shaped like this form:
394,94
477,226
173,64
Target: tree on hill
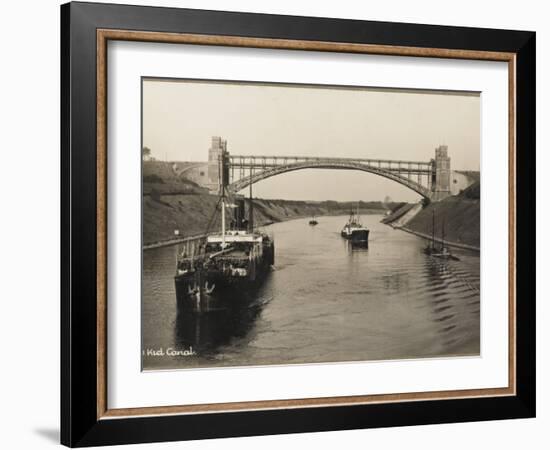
146,153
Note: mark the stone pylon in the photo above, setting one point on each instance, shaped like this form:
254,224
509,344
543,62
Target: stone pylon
441,175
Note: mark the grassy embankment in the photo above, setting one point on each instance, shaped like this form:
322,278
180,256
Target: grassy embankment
172,202
459,213
191,214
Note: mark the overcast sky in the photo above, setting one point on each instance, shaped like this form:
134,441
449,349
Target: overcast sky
180,117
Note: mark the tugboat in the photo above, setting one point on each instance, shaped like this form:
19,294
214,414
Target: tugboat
313,221
228,265
441,251
353,227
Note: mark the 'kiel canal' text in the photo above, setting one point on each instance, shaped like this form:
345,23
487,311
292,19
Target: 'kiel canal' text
169,352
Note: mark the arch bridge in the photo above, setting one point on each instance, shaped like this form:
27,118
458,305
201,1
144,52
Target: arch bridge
430,179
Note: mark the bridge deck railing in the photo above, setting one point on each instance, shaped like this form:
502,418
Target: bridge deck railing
317,158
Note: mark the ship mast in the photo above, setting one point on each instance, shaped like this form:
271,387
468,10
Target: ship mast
443,233
433,228
223,219
250,207
221,169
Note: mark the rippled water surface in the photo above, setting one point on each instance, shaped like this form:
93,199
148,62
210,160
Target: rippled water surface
323,302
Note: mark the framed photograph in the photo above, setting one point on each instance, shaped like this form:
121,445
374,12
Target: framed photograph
277,224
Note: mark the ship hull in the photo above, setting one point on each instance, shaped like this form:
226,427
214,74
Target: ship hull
439,253
360,239
212,290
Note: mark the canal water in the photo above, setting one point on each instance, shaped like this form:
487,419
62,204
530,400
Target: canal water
322,302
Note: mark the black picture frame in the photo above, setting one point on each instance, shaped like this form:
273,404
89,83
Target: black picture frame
80,425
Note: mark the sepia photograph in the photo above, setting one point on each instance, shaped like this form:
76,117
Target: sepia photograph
307,224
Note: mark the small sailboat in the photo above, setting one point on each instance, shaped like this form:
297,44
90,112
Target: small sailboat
313,221
441,250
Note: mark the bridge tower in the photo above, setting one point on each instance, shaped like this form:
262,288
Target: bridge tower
217,150
441,174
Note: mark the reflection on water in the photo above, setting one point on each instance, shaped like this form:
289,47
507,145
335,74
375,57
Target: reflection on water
207,332
323,302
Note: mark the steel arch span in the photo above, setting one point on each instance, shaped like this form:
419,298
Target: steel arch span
400,172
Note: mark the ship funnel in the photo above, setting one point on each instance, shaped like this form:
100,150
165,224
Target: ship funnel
239,217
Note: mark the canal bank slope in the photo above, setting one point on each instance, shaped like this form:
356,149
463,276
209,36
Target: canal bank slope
459,213
191,211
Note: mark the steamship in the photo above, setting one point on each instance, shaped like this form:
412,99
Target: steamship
228,265
354,230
